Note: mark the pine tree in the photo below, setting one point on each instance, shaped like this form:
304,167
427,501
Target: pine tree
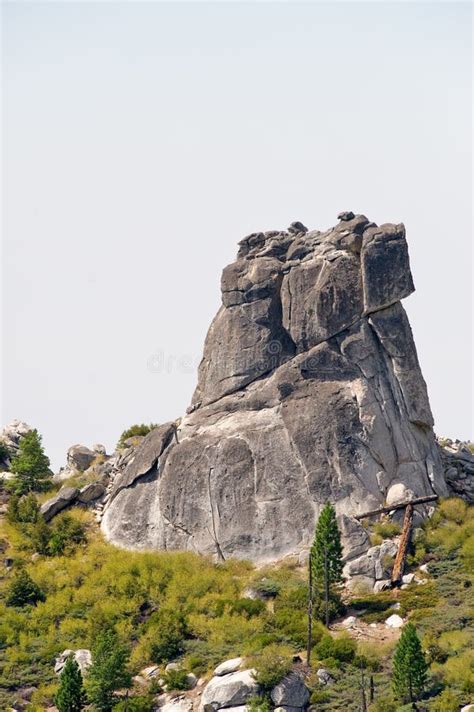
70,695
30,465
409,666
326,557
108,671
23,591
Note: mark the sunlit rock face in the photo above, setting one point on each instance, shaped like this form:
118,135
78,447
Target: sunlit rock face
309,391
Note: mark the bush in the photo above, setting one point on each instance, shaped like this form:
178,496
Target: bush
248,607
342,649
271,666
137,429
59,538
23,591
257,703
169,630
23,509
386,529
267,587
447,701
177,679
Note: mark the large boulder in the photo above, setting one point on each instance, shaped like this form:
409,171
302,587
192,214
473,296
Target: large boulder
79,457
230,690
65,497
309,391
228,666
82,656
91,492
291,692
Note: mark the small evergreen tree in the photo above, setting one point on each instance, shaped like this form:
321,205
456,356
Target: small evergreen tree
30,465
409,666
326,558
23,591
108,671
70,695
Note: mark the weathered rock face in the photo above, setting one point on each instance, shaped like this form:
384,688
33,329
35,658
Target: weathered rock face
309,390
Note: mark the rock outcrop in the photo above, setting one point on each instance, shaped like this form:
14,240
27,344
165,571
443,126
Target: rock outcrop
309,390
458,462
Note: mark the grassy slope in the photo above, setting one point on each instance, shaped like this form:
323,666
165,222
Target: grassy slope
97,582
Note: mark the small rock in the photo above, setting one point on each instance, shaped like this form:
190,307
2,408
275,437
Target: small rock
228,666
381,586
297,227
394,621
191,679
291,691
150,671
90,492
172,666
63,499
421,582
82,657
177,705
230,690
349,622
408,578
424,568
468,708
324,676
398,493
99,449
80,457
346,215
396,606
372,625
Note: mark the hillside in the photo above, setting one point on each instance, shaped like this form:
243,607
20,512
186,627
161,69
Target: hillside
181,606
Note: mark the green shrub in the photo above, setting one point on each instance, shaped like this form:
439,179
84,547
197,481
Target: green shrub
319,697
386,529
134,430
177,679
271,666
342,649
267,587
169,629
23,591
248,607
258,703
447,701
23,509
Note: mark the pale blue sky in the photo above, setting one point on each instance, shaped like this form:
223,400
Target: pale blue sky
143,140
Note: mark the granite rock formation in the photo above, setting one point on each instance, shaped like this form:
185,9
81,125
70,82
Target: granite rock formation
309,390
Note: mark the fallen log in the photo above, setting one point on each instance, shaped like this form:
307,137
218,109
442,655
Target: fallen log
401,505
399,563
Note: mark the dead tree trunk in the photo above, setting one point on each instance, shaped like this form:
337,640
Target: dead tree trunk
401,505
399,563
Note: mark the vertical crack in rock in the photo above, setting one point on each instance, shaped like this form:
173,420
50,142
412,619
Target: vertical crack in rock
211,505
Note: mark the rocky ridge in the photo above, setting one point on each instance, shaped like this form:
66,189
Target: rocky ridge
309,390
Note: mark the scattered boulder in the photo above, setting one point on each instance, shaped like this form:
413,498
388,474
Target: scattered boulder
64,498
408,578
82,657
79,457
179,704
383,585
398,493
291,691
228,666
346,216
297,227
230,690
349,622
99,449
394,621
91,492
324,676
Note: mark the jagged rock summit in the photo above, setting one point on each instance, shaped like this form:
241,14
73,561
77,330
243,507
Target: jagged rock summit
309,390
